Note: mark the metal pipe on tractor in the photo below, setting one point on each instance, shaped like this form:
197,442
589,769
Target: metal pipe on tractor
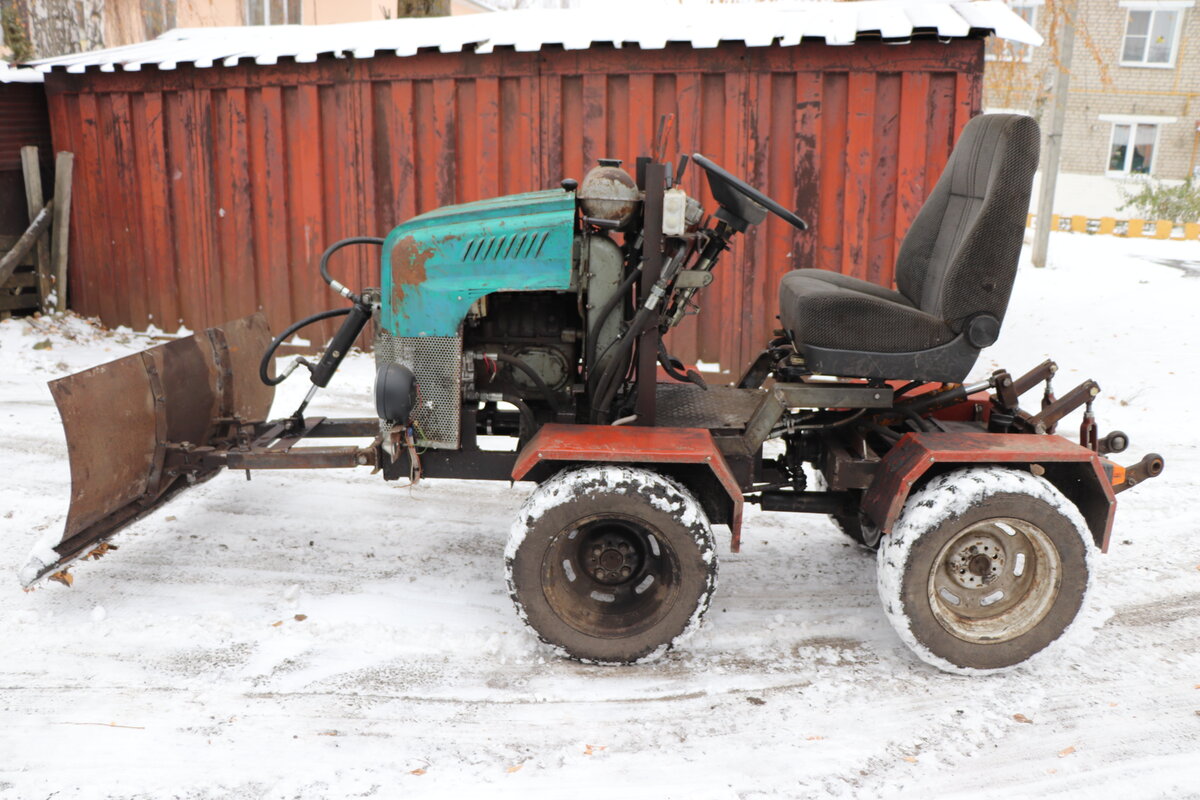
544,318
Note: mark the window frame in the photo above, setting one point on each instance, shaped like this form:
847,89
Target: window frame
1153,6
1026,50
1133,122
248,7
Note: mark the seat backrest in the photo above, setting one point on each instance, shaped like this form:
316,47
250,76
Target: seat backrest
960,256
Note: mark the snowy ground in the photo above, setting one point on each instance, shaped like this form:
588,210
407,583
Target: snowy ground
330,635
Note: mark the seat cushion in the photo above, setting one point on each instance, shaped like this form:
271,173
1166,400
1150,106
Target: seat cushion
830,310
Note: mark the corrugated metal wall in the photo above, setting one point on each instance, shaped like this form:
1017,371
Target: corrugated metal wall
205,194
23,121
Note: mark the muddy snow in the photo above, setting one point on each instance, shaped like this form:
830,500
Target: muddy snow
332,635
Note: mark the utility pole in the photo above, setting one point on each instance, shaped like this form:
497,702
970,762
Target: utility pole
1058,116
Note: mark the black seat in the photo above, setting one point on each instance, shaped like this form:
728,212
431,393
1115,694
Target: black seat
954,272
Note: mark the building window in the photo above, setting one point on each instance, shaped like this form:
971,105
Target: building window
998,49
1152,34
273,12
1132,148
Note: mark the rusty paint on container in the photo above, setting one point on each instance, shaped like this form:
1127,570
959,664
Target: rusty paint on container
205,194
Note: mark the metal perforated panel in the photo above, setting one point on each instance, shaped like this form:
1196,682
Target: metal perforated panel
435,361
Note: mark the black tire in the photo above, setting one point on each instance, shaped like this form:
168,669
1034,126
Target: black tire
857,528
985,568
611,564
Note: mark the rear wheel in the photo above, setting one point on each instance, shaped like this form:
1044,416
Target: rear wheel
985,568
858,528
611,564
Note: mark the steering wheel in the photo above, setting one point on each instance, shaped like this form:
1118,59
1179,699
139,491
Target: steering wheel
719,179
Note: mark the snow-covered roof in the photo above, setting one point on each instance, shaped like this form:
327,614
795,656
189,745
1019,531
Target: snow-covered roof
757,25
18,75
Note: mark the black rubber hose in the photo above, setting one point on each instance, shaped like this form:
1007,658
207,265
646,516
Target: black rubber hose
265,364
606,312
513,361
887,434
526,411
610,381
333,248
914,418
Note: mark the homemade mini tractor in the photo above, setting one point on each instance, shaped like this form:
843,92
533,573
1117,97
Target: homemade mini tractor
540,318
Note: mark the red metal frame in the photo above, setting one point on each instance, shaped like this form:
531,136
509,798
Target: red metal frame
916,453
606,444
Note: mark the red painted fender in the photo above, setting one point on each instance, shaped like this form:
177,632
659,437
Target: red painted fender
676,451
1077,472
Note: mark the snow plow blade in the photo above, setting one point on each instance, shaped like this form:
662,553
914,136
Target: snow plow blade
122,418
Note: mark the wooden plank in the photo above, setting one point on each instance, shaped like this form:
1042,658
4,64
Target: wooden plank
18,302
29,238
34,203
64,164
1191,230
21,280
1107,225
1078,223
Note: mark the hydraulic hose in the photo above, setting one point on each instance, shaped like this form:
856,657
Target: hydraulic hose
264,365
610,381
333,248
525,411
606,312
517,363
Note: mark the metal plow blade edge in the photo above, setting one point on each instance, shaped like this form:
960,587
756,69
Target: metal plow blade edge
123,419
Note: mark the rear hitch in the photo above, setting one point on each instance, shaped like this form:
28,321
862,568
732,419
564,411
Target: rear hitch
1151,466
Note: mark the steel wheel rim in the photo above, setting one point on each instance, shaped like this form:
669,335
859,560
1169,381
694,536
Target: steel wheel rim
995,580
602,589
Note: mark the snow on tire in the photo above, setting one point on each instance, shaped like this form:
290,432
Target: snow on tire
611,564
985,568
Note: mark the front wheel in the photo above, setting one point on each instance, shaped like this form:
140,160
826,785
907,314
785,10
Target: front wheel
611,564
985,568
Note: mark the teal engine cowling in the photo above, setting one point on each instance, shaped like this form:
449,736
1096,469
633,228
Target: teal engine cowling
468,289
